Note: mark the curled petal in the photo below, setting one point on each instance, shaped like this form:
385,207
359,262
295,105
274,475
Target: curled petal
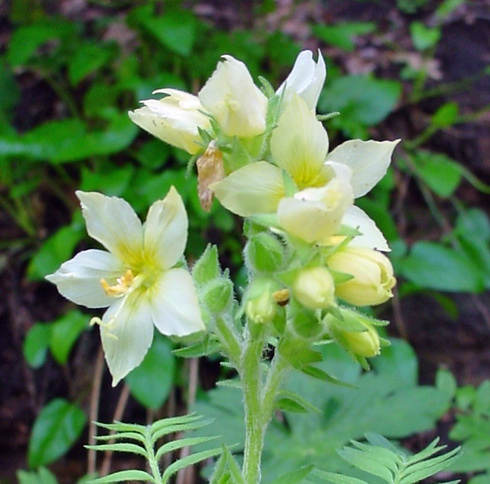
126,332
251,190
165,231
79,278
112,222
371,237
306,78
174,306
369,161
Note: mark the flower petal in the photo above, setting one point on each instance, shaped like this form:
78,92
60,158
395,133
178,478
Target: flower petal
175,119
175,309
299,144
369,161
253,189
306,78
315,213
372,237
165,231
112,222
79,278
126,333
231,96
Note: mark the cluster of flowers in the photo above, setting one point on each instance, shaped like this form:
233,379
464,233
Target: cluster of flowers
265,156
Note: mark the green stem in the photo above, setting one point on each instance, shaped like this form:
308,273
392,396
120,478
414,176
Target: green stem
152,461
251,376
230,340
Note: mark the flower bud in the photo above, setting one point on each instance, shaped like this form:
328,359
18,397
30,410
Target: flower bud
314,288
364,343
260,305
236,103
306,78
372,276
264,253
217,295
175,119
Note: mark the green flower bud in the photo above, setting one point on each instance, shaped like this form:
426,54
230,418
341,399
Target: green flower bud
217,295
260,305
372,276
264,253
365,343
354,333
314,288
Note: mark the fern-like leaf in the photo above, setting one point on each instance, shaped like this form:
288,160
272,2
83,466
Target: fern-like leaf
142,440
382,459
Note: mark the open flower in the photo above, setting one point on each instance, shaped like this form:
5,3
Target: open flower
175,119
137,279
236,103
306,79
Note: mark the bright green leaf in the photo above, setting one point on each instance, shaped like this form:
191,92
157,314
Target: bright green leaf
446,115
342,34
360,99
54,251
434,266
439,172
65,331
42,476
55,430
176,30
423,37
35,345
87,59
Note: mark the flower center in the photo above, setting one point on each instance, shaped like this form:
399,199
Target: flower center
122,286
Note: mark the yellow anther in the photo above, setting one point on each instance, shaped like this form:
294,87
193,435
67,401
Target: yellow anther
121,287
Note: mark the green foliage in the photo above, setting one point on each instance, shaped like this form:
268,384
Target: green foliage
59,336
57,427
343,34
151,382
382,459
472,429
386,400
44,476
143,440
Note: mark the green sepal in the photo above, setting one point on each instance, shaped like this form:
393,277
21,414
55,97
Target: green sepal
264,253
294,477
292,402
207,267
203,348
320,374
226,470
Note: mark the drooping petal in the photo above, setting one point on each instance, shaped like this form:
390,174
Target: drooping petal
372,237
165,231
299,144
251,190
79,278
175,119
175,309
315,213
126,333
231,96
112,222
306,78
369,161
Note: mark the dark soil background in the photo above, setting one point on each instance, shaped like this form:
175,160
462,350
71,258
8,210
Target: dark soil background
462,344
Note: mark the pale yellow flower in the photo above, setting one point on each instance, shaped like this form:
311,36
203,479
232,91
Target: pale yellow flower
372,276
314,288
305,79
233,99
138,278
175,119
